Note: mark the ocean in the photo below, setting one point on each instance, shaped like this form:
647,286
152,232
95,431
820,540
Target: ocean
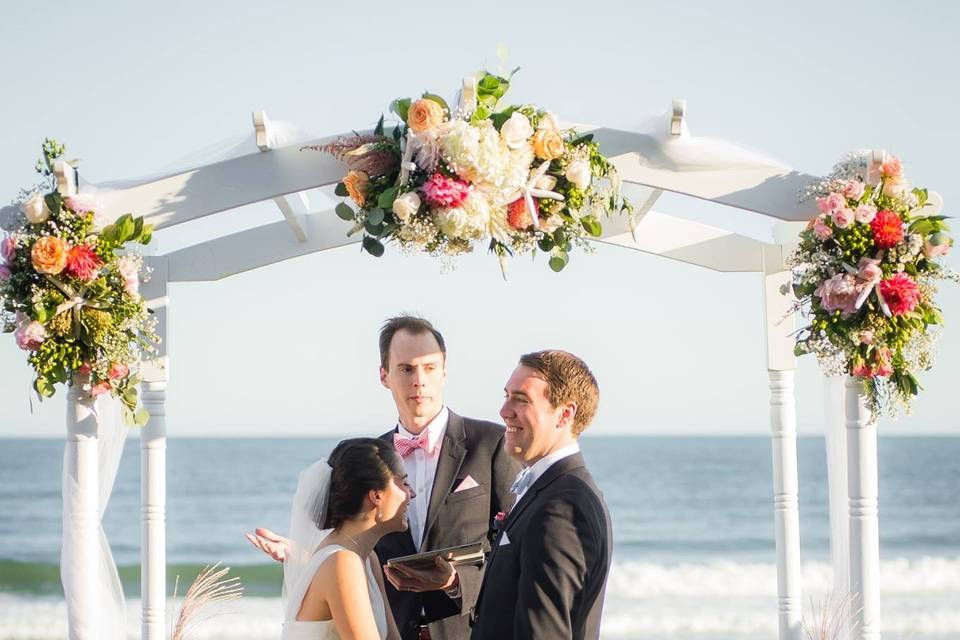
693,532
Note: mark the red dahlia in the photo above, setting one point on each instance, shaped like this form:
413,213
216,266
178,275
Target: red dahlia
900,292
517,214
887,229
83,263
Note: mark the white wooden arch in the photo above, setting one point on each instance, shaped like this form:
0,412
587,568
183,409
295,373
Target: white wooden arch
281,173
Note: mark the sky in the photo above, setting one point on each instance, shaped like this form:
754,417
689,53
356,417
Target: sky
291,349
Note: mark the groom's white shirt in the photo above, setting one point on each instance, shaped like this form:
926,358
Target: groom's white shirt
421,470
540,467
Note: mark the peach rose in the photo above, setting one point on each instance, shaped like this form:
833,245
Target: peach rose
424,114
49,255
547,144
358,185
891,167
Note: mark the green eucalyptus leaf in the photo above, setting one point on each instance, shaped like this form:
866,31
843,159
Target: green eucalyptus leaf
141,417
372,246
592,225
375,217
546,243
341,190
344,211
385,201
43,388
557,263
376,230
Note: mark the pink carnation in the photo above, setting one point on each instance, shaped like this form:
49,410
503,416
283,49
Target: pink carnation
8,249
30,336
900,292
118,370
854,189
81,203
441,191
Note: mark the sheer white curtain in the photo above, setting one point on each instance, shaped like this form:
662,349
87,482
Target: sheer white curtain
835,432
106,618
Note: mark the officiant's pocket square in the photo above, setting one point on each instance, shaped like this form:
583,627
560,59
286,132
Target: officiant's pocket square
468,483
504,540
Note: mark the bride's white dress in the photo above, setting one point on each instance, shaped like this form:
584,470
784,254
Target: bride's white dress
294,629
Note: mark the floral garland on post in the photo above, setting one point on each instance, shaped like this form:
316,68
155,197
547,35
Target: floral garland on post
69,292
865,273
444,180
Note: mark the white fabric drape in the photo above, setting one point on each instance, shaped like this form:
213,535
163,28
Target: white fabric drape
108,615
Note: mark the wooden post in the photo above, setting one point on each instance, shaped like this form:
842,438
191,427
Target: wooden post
863,490
82,527
783,430
153,452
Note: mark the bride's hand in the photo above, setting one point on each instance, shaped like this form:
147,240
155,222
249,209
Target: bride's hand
272,544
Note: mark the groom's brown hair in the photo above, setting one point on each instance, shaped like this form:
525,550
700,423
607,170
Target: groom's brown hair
568,379
411,324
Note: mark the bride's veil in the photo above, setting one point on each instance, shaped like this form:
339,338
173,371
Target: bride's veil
306,517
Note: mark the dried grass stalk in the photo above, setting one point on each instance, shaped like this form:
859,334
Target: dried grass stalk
211,587
831,619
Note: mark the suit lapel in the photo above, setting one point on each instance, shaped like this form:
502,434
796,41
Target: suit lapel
452,452
556,470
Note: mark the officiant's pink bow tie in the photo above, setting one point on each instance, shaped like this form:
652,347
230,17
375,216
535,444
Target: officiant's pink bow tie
406,446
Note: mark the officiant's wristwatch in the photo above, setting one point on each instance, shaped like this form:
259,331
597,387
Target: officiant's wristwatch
453,592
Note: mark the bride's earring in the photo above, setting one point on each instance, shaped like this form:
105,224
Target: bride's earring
378,518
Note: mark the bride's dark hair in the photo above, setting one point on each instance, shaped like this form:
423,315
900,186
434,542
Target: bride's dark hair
359,465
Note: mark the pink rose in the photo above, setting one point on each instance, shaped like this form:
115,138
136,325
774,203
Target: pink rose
100,388
843,218
861,369
118,370
839,293
869,270
5,273
891,167
8,249
854,189
30,336
831,203
866,213
821,230
866,336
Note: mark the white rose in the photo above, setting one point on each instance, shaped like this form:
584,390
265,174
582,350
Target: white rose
551,224
35,209
547,183
578,172
895,187
516,131
548,121
453,222
406,205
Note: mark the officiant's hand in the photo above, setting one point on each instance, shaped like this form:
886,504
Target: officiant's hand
272,544
444,576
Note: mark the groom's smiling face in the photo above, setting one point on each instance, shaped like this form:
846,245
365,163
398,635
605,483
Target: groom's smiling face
535,428
415,375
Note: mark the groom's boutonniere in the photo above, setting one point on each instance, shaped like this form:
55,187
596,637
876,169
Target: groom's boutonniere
498,520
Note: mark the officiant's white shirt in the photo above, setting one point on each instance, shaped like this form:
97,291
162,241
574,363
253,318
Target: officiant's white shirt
540,467
421,470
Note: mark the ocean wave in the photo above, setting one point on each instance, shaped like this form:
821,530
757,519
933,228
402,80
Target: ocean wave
714,600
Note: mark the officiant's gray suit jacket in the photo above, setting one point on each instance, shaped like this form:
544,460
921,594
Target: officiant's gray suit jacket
547,572
469,448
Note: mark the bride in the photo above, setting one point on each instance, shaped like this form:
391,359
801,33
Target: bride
332,583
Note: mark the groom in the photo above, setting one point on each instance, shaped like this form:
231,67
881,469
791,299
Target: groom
460,472
546,575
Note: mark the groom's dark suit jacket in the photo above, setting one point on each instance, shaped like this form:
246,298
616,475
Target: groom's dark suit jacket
549,580
469,448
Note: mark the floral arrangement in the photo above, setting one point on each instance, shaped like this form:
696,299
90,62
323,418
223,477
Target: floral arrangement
69,292
444,180
865,273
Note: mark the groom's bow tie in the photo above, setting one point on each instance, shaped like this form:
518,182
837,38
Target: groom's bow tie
406,446
523,482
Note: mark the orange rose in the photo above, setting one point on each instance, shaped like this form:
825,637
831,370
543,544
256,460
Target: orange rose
358,185
547,144
49,255
424,114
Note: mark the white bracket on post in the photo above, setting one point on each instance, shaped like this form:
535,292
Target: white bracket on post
261,126
66,177
637,216
676,121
